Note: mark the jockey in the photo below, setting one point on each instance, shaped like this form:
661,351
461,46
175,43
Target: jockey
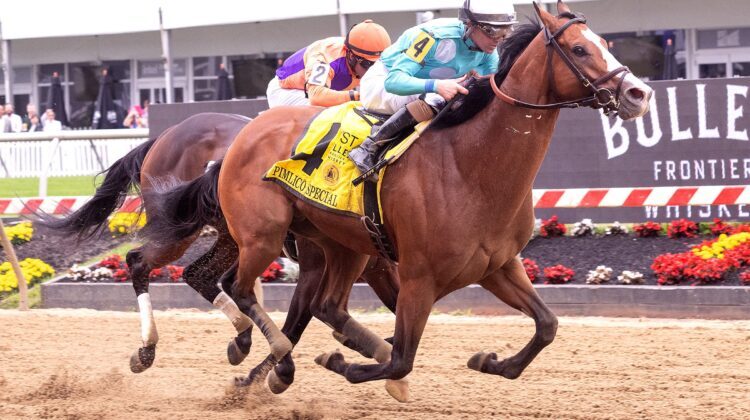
422,70
327,72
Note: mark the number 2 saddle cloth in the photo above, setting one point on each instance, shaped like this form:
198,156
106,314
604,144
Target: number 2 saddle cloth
320,171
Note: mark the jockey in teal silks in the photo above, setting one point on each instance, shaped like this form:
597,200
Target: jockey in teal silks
421,71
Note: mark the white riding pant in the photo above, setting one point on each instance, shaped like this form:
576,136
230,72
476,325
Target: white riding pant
278,96
375,98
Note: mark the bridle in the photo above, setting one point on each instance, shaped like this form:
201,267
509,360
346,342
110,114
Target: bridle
601,97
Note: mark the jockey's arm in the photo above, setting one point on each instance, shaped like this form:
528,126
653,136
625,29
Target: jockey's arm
318,77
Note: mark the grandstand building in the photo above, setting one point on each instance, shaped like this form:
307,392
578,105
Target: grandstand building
658,39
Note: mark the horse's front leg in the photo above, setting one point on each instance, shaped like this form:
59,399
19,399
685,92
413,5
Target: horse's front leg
511,285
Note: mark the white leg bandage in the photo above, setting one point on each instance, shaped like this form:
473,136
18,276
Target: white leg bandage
226,305
148,326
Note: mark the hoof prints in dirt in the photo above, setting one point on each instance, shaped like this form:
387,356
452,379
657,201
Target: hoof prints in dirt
257,400
64,385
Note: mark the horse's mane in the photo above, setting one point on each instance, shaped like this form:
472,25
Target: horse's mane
480,91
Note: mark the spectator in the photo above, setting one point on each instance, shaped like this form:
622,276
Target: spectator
34,124
10,122
137,117
50,123
31,112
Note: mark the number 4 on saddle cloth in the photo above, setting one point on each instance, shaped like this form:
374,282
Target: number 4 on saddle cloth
320,170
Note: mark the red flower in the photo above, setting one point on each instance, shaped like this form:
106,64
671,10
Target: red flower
113,262
271,272
558,274
682,229
745,277
718,227
532,269
551,227
156,272
648,229
121,275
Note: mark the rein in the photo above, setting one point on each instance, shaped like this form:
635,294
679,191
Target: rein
601,97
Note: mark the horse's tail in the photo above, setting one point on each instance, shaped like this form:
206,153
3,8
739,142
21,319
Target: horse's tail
109,196
183,210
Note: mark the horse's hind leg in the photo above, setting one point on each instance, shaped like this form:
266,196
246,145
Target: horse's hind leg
511,285
140,262
203,274
254,257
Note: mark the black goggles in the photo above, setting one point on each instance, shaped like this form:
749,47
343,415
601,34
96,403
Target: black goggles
494,31
365,63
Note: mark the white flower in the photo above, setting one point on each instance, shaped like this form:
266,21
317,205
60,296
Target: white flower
602,274
79,273
102,273
616,229
630,277
583,228
290,270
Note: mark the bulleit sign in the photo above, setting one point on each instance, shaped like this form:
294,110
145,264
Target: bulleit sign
689,157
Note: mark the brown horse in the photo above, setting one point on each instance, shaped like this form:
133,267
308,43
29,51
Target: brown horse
457,205
182,153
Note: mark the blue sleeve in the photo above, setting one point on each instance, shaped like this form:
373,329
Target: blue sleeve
489,65
401,78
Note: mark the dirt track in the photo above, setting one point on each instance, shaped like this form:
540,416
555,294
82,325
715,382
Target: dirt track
74,364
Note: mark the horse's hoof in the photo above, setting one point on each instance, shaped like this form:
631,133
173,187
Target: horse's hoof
276,384
398,389
235,353
479,361
142,359
327,359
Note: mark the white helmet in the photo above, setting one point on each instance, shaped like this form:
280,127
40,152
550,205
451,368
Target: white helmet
491,12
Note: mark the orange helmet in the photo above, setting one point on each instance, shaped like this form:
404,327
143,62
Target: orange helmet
367,39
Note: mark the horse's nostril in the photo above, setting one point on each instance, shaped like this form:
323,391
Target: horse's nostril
636,94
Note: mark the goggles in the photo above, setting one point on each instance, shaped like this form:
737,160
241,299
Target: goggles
365,63
496,32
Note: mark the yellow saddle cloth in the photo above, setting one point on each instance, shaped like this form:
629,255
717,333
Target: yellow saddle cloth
320,170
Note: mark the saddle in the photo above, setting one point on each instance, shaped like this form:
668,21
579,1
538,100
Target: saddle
319,170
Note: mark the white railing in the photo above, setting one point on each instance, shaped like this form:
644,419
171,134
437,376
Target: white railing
64,153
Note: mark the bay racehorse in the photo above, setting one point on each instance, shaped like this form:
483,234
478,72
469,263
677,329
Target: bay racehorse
182,153
457,206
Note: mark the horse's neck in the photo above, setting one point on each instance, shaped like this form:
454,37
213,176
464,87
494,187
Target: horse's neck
514,140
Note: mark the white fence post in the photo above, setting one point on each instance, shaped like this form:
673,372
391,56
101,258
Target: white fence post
50,150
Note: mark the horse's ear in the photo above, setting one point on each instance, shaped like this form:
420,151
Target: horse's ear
562,8
546,18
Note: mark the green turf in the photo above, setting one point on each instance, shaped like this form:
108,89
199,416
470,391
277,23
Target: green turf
57,186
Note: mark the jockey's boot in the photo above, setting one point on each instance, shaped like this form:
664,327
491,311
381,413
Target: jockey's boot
365,154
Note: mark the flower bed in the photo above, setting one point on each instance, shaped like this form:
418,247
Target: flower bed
666,254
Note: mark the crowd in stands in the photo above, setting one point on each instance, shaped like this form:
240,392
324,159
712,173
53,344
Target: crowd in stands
10,122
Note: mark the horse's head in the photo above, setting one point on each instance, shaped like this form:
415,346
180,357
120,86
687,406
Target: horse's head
581,68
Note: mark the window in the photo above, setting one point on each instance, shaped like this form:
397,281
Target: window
655,55
205,73
252,73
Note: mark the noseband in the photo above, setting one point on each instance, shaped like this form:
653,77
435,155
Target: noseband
601,97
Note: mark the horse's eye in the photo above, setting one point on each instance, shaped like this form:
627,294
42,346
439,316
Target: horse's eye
579,51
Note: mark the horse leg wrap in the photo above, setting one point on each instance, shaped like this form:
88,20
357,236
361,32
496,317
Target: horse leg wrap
380,350
279,343
148,326
225,303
